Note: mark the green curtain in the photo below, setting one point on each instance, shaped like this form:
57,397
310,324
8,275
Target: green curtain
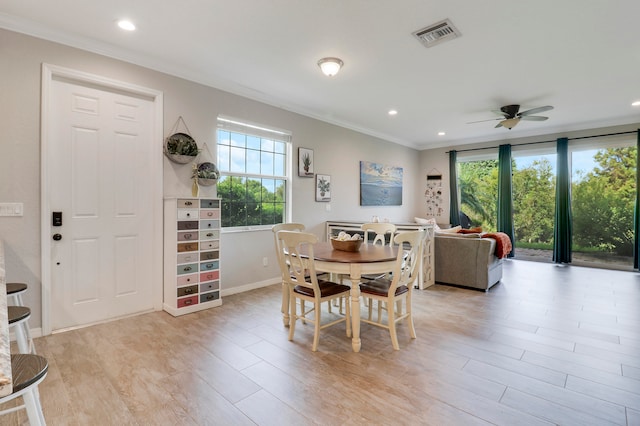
562,230
454,208
636,210
505,194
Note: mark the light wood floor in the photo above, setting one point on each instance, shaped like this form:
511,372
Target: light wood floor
548,345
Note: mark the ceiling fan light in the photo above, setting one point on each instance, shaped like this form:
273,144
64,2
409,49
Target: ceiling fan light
330,66
510,123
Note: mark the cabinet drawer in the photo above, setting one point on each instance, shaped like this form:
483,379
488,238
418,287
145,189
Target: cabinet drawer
210,286
209,204
209,214
209,276
209,245
188,257
187,214
209,224
187,279
184,225
188,301
188,236
189,268
182,247
208,297
212,234
187,291
185,203
209,255
209,266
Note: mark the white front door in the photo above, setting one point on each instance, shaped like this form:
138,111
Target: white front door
101,178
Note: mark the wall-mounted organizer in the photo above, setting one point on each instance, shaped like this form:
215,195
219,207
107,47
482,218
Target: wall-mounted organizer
191,254
433,194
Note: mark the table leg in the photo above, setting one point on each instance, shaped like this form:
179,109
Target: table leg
355,313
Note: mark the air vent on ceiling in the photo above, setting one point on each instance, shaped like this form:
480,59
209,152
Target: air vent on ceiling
437,33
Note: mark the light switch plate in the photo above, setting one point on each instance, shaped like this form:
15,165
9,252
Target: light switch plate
11,209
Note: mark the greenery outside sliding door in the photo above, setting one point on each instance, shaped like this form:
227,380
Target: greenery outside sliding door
603,197
478,185
534,183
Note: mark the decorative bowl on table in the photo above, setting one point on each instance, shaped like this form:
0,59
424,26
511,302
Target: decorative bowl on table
346,245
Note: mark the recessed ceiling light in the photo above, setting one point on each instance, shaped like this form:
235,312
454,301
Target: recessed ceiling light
393,112
441,133
126,25
636,103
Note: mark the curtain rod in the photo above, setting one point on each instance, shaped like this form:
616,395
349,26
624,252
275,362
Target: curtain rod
536,143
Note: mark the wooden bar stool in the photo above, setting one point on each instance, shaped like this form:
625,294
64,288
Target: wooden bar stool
27,372
18,317
15,292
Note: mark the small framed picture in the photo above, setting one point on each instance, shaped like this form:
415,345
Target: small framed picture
305,162
323,187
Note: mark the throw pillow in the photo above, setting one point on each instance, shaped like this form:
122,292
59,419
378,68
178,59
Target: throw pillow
431,221
476,230
453,230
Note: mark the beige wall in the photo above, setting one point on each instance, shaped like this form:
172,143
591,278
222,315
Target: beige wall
337,152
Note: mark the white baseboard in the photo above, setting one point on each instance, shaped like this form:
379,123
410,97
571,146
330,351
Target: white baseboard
251,286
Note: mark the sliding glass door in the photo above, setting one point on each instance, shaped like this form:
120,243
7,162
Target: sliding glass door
603,195
478,186
534,183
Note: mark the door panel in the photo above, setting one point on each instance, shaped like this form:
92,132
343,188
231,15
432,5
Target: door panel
100,150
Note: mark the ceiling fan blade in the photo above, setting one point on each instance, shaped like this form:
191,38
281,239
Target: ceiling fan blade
534,118
482,121
498,125
535,110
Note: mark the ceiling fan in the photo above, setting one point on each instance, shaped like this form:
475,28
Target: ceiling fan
511,117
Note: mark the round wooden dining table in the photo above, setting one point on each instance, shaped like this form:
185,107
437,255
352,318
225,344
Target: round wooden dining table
370,259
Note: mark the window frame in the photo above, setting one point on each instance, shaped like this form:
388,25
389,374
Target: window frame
229,124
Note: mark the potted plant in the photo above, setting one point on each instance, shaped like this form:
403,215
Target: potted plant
181,148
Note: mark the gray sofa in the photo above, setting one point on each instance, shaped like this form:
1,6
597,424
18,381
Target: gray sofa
466,260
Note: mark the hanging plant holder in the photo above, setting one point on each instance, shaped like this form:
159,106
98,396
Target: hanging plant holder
206,172
180,147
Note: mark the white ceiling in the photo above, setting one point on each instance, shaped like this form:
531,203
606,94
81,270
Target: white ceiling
581,56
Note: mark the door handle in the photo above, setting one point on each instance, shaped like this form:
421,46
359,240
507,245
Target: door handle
57,237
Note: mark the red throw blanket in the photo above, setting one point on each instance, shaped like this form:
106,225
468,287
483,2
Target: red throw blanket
503,243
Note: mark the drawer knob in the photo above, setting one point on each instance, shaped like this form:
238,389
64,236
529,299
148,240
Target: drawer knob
188,291
188,268
209,214
187,302
209,234
188,203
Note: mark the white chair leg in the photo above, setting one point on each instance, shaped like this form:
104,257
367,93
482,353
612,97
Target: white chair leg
34,409
21,338
391,317
316,328
292,317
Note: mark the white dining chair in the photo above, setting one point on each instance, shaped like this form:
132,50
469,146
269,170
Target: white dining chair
398,288
304,285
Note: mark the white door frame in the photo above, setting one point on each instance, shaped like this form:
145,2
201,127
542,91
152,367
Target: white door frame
50,73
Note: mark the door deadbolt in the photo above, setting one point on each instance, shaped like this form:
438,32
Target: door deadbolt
57,237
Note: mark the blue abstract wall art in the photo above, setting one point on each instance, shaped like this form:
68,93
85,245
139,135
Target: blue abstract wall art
380,185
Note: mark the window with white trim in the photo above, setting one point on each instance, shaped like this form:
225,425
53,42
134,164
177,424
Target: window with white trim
255,170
